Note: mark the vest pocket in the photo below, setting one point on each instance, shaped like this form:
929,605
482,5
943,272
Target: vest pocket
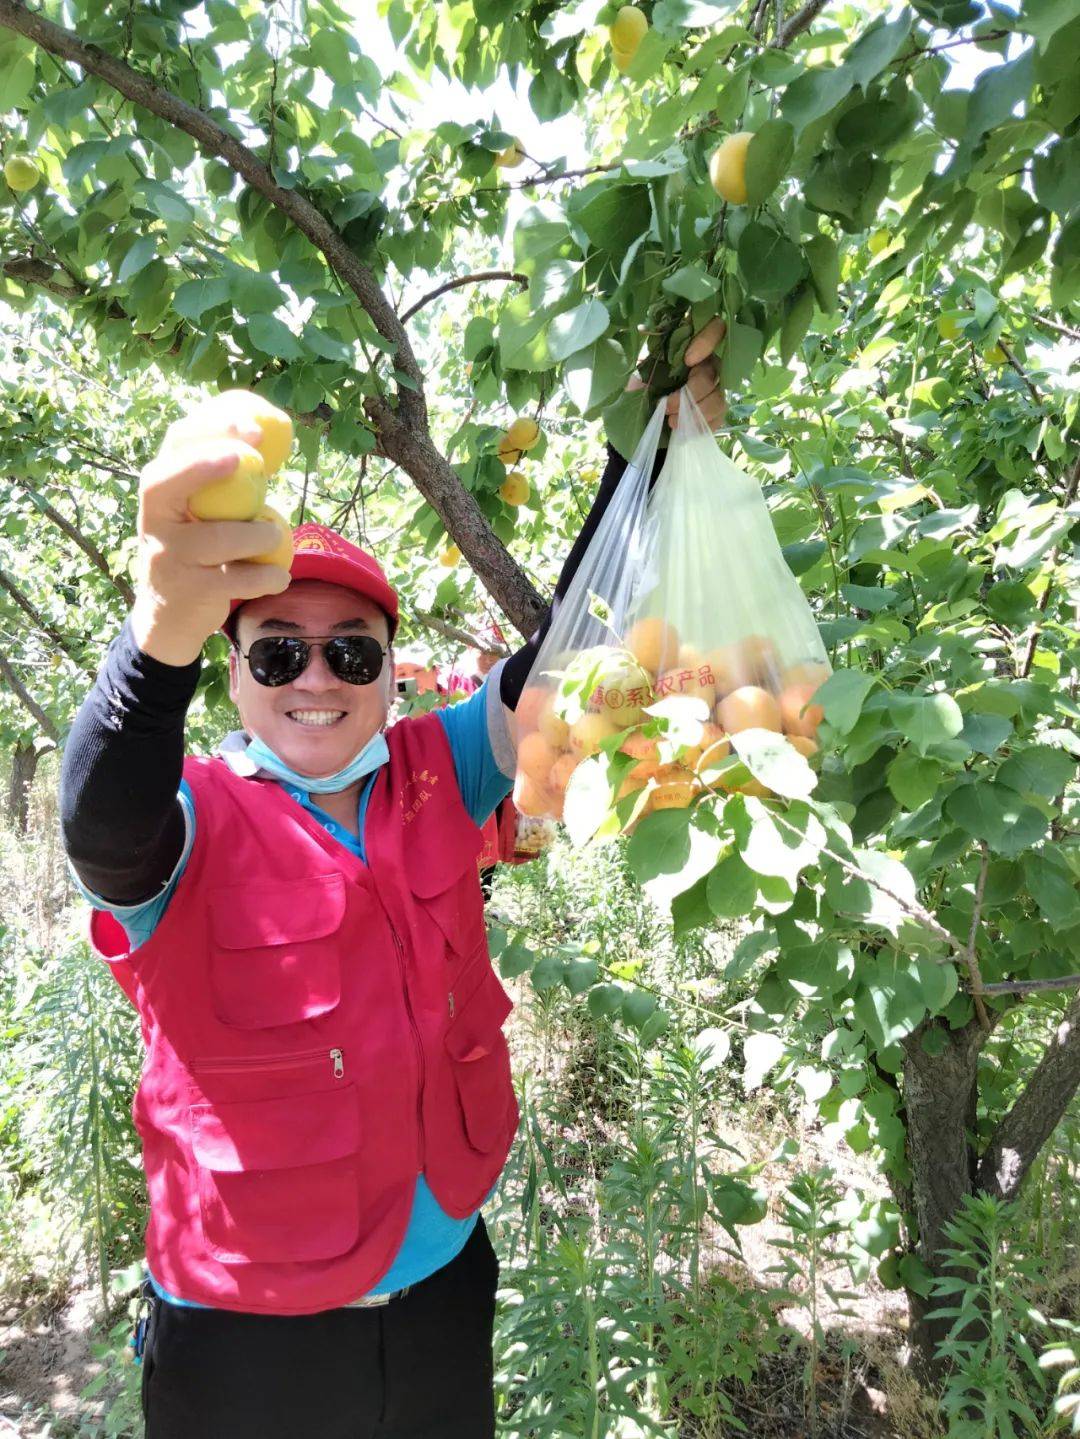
274,954
277,1177
480,1059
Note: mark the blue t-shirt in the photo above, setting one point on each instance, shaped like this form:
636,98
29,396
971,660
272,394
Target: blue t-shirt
483,755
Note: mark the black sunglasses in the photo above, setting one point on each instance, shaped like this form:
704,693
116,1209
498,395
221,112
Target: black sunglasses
279,659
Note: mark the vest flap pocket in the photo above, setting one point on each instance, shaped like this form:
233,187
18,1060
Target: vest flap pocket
277,1178
481,1060
276,1133
448,891
274,955
282,911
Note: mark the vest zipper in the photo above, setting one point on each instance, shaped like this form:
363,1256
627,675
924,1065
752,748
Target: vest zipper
400,951
245,1063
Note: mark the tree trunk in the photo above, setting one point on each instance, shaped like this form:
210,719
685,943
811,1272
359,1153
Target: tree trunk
940,1093
24,760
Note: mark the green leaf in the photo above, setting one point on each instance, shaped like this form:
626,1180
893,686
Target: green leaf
867,897
638,1005
998,91
761,1052
742,349
137,258
273,337
612,216
775,762
986,733
660,844
821,968
842,697
581,974
798,313
997,814
691,282
823,257
770,264
194,297
166,202
1041,769
814,94
781,846
767,159
576,329
913,781
605,1000
592,376
731,888
926,720
1053,887
588,799
876,48
889,1001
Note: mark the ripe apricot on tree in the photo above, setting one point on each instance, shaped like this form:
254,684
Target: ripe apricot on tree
282,552
727,168
508,453
760,660
749,707
511,157
621,60
523,434
654,643
449,556
514,489
628,29
803,744
21,173
239,496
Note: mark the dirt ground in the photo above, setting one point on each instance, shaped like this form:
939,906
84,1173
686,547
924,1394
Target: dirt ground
46,1360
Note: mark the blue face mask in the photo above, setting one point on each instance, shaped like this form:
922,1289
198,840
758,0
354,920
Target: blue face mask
374,754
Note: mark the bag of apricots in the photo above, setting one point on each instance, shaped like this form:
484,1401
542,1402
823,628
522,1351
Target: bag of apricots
682,626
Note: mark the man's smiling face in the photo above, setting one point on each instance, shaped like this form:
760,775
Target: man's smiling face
291,719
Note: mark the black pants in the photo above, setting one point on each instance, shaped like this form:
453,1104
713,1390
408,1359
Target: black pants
419,1367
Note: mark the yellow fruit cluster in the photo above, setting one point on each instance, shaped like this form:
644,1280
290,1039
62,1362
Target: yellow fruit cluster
742,685
523,435
626,34
241,495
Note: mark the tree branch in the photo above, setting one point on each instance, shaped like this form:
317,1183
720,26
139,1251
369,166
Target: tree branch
214,139
455,632
438,482
27,607
462,280
11,679
1032,986
1035,1114
801,21
88,547
1057,329
403,424
970,957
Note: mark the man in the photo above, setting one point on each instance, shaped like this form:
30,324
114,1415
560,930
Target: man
326,1100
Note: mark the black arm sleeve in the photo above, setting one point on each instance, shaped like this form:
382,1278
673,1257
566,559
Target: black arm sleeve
120,818
516,669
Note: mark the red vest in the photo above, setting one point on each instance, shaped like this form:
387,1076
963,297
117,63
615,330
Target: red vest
318,1032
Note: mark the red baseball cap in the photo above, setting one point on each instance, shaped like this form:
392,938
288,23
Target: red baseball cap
320,553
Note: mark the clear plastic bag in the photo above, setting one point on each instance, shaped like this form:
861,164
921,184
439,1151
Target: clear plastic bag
682,593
